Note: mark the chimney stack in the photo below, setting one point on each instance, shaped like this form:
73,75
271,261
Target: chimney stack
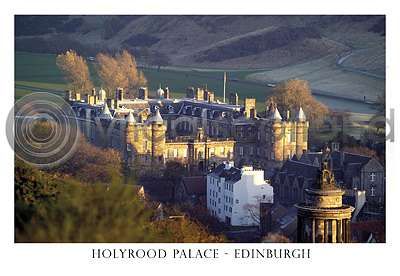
119,94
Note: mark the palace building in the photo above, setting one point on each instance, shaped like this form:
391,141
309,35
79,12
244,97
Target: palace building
197,130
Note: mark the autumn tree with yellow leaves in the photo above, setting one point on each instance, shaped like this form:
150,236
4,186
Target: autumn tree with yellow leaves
293,93
119,71
76,71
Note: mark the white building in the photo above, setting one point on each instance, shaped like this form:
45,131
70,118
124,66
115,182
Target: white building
234,195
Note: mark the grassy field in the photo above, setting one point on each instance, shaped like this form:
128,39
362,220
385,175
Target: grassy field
34,72
323,74
38,72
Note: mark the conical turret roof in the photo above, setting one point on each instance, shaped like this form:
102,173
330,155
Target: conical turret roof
301,116
276,115
156,118
130,119
106,112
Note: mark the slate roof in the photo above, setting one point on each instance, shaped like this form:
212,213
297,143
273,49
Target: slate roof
195,185
194,108
298,168
232,174
345,165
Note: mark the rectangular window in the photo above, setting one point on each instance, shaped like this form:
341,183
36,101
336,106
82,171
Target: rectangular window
241,151
211,152
292,135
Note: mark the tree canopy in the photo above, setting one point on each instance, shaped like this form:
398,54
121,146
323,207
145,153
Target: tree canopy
87,200
76,71
291,94
119,71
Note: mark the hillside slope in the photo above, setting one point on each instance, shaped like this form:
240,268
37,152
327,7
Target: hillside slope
206,41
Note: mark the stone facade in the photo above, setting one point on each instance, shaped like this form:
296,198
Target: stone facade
196,130
268,142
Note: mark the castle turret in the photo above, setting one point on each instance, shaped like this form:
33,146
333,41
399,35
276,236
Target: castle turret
158,130
301,133
278,135
130,138
130,119
106,114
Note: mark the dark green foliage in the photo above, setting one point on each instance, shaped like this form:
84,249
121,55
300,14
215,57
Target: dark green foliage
51,209
174,170
92,164
33,186
85,200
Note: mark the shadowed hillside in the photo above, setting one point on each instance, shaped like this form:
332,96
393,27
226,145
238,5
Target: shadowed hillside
205,41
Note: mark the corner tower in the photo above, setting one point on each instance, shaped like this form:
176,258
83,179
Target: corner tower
277,135
301,132
158,130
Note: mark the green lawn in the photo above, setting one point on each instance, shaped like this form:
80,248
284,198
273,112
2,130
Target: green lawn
35,72
38,72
